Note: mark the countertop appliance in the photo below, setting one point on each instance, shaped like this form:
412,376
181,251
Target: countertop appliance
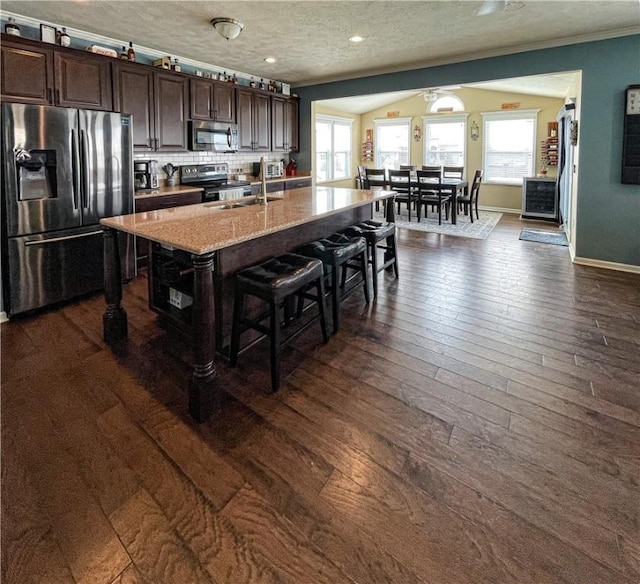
145,174
273,169
213,137
63,170
214,178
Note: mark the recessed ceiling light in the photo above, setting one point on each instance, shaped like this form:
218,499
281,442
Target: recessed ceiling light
356,39
271,59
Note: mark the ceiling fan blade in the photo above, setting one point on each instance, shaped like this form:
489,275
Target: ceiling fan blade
491,7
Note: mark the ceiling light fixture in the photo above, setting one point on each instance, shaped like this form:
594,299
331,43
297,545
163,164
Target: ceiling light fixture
229,28
356,39
271,59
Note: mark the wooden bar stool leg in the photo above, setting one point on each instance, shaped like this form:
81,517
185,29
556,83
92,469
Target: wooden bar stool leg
374,266
335,299
238,310
275,317
365,277
321,309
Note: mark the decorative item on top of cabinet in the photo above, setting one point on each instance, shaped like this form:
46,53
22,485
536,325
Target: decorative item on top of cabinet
45,75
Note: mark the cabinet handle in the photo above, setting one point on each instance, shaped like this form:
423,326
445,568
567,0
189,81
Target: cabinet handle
215,114
156,142
58,96
50,92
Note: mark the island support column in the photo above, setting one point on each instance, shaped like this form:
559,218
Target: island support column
204,397
114,320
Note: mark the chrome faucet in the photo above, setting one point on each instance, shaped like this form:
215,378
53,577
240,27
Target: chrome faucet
261,198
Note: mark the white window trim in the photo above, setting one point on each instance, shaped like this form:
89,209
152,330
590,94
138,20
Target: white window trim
433,109
444,118
326,118
510,115
391,122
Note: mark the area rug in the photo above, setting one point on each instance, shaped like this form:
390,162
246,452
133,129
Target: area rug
479,229
541,236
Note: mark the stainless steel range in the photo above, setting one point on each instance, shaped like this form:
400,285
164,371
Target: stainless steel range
214,178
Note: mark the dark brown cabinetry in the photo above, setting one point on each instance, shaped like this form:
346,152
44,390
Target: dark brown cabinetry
284,124
212,101
144,205
37,75
254,120
157,101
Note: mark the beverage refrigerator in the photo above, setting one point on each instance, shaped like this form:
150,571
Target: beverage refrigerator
63,170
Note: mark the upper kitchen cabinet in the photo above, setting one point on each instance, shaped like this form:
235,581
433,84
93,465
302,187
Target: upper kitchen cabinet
284,123
39,75
211,100
254,120
157,101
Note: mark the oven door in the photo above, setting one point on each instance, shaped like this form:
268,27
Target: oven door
224,194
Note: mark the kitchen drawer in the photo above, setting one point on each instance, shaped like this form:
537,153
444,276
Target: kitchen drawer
299,183
164,202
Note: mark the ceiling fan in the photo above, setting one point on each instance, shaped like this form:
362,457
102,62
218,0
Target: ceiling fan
435,93
493,6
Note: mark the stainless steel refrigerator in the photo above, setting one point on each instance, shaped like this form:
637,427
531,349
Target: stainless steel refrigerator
63,170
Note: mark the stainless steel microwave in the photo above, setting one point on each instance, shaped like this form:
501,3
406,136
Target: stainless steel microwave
213,137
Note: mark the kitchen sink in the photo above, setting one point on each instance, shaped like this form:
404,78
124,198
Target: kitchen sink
237,203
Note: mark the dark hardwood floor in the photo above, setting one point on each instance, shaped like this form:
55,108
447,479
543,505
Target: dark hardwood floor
478,423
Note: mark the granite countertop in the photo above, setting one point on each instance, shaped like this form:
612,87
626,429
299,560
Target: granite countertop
207,227
163,191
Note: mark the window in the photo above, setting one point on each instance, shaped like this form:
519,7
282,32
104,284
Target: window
447,103
509,146
392,140
444,140
333,147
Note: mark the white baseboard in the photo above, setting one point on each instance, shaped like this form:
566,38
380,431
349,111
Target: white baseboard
499,209
3,317
606,265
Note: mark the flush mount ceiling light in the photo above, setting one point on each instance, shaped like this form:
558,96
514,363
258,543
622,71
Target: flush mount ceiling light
229,28
356,38
270,59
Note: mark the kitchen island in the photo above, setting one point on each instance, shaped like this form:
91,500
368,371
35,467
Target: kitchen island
217,239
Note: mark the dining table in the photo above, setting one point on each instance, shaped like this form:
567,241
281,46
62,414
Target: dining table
453,186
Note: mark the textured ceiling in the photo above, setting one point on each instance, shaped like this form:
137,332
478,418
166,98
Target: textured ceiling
310,38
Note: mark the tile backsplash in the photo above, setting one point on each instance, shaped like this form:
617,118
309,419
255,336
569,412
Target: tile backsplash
239,163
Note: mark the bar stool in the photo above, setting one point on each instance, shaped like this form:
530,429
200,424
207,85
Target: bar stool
276,281
374,232
340,252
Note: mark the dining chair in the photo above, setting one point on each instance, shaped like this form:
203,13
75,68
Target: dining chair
432,167
376,178
400,182
452,172
427,195
411,167
361,179
470,201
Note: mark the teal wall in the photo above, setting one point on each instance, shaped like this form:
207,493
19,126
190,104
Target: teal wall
608,212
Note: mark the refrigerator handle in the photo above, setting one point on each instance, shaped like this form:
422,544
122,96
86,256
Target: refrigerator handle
75,168
84,173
